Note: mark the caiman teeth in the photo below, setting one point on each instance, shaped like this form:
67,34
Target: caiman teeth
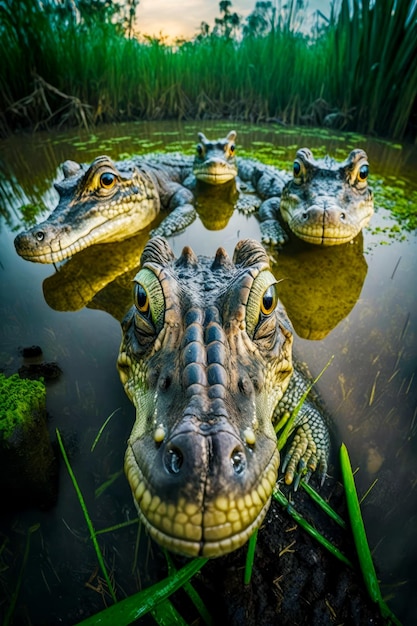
224,524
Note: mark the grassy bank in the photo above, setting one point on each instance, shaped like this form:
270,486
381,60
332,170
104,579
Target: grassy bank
356,71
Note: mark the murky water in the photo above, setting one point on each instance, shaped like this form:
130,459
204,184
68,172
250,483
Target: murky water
356,302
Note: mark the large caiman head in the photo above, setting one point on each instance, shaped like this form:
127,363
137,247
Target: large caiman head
206,355
215,161
327,202
106,202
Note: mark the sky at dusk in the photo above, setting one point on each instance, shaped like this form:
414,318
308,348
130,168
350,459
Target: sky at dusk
182,18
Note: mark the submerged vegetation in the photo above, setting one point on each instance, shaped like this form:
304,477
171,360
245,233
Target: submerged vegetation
78,62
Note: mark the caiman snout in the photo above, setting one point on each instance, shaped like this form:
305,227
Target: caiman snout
36,244
214,451
215,512
323,221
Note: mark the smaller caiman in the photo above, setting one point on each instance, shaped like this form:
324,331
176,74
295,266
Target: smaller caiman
324,202
206,358
215,161
105,202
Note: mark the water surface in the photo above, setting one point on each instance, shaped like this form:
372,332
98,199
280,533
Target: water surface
356,302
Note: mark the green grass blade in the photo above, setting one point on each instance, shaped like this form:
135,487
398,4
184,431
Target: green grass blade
279,497
110,529
127,611
102,488
87,517
165,614
325,506
8,618
102,428
359,536
191,592
198,603
250,555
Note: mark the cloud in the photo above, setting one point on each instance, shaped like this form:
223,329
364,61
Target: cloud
181,19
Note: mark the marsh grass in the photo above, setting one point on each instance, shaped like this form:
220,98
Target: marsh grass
357,71
154,599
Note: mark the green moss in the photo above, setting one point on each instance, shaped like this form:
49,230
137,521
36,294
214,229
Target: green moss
19,398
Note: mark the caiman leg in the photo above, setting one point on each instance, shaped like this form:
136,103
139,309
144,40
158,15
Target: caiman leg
183,212
271,230
310,445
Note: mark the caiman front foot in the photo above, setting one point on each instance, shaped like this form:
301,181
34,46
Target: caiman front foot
247,203
178,220
272,233
305,456
271,230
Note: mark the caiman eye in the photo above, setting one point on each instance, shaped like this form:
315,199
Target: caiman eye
363,172
269,300
200,149
298,171
262,300
141,299
232,148
149,299
107,180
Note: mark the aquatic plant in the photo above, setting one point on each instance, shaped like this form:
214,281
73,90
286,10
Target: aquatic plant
354,71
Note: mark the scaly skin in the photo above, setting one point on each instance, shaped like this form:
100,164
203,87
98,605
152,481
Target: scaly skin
206,358
325,203
107,202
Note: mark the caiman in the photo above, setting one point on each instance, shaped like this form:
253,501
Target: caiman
325,202
215,161
110,201
106,202
206,358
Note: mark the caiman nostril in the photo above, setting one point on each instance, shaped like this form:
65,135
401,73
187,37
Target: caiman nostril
173,460
238,461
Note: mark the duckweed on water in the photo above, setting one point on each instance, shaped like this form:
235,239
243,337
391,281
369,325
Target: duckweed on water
400,200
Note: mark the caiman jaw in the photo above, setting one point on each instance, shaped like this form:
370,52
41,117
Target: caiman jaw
221,527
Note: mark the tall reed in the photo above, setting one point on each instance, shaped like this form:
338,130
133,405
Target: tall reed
360,67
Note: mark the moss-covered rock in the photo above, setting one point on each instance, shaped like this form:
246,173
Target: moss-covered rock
28,466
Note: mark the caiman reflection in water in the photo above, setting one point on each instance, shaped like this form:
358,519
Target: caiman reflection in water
320,286
101,276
